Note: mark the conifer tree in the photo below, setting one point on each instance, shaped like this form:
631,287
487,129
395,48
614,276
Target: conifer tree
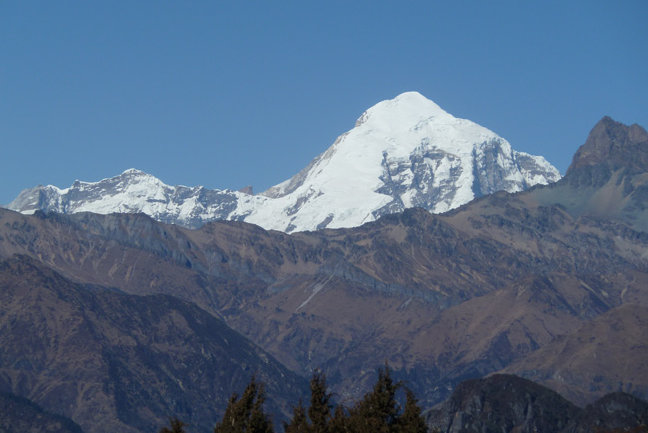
298,423
340,421
378,411
259,421
176,425
319,411
411,420
245,414
235,417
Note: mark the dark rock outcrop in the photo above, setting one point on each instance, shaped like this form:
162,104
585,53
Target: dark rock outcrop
610,146
502,403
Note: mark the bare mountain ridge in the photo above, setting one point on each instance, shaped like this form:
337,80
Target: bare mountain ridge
614,146
442,298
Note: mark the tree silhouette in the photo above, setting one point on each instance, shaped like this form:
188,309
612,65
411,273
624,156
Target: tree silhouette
378,411
411,420
299,422
319,411
245,414
176,426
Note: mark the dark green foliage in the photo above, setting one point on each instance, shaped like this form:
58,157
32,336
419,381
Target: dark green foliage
298,423
340,421
176,426
319,411
245,414
378,411
411,420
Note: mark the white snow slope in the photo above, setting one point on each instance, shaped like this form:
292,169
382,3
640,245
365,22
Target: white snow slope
402,153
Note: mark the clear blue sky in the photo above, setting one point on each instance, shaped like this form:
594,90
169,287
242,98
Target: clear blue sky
231,93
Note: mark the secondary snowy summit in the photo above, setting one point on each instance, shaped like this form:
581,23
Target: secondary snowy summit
404,152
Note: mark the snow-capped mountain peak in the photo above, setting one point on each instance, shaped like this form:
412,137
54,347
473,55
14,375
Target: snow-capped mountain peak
404,152
405,108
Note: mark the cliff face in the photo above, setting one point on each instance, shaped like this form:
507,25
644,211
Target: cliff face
614,146
608,176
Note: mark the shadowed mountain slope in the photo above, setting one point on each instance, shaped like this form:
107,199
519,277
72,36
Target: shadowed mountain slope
112,361
20,415
502,403
506,403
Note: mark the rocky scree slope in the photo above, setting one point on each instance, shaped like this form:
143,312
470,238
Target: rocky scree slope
402,153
